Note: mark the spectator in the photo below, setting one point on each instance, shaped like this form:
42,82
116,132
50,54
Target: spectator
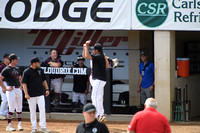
146,79
56,79
91,125
149,120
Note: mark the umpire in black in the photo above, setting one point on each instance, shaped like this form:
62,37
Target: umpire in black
33,80
91,125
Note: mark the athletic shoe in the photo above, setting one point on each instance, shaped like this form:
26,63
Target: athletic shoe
44,130
34,131
9,128
102,118
115,62
20,128
2,117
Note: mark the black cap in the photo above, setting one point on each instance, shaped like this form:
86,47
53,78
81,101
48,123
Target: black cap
6,55
89,108
144,53
34,60
13,57
80,57
98,47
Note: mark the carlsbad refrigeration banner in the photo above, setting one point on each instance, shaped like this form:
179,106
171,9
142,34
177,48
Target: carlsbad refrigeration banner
166,15
65,14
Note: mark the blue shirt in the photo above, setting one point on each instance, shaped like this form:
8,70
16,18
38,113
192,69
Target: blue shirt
148,76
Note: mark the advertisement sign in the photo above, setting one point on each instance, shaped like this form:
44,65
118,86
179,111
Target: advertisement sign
65,14
37,43
165,15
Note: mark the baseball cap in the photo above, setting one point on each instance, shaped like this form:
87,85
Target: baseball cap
13,57
6,55
144,53
80,57
89,108
34,60
98,47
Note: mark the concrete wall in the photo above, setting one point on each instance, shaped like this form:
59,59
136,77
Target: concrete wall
193,91
137,41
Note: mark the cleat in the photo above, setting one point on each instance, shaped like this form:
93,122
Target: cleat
20,128
9,128
34,131
44,130
115,62
2,117
102,118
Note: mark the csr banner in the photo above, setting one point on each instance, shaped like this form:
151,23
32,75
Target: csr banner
166,15
65,14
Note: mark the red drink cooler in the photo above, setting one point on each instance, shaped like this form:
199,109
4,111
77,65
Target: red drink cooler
183,67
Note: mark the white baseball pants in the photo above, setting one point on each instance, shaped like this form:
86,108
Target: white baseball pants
14,98
91,80
56,85
81,96
97,96
33,101
4,102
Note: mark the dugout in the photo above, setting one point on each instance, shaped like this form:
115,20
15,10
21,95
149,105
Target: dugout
168,29
165,47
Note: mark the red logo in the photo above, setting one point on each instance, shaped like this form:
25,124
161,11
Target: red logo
71,39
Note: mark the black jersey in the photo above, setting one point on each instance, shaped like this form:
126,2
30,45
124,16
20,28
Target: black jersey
33,78
11,75
94,127
80,81
99,67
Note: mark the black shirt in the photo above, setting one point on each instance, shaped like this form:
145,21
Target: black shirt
80,81
33,78
94,127
99,67
11,75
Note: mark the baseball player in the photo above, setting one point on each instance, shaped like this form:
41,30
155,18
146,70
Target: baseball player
99,65
33,80
56,79
13,91
81,83
4,102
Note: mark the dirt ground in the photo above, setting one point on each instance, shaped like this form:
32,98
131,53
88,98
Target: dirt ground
114,127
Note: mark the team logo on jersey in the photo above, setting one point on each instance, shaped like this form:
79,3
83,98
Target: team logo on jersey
39,72
15,73
94,130
152,13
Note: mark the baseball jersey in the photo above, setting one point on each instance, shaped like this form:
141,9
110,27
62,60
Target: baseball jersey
80,81
99,67
149,121
94,127
11,75
33,78
148,75
2,66
54,76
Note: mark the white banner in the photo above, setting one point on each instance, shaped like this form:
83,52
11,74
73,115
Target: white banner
65,14
166,15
